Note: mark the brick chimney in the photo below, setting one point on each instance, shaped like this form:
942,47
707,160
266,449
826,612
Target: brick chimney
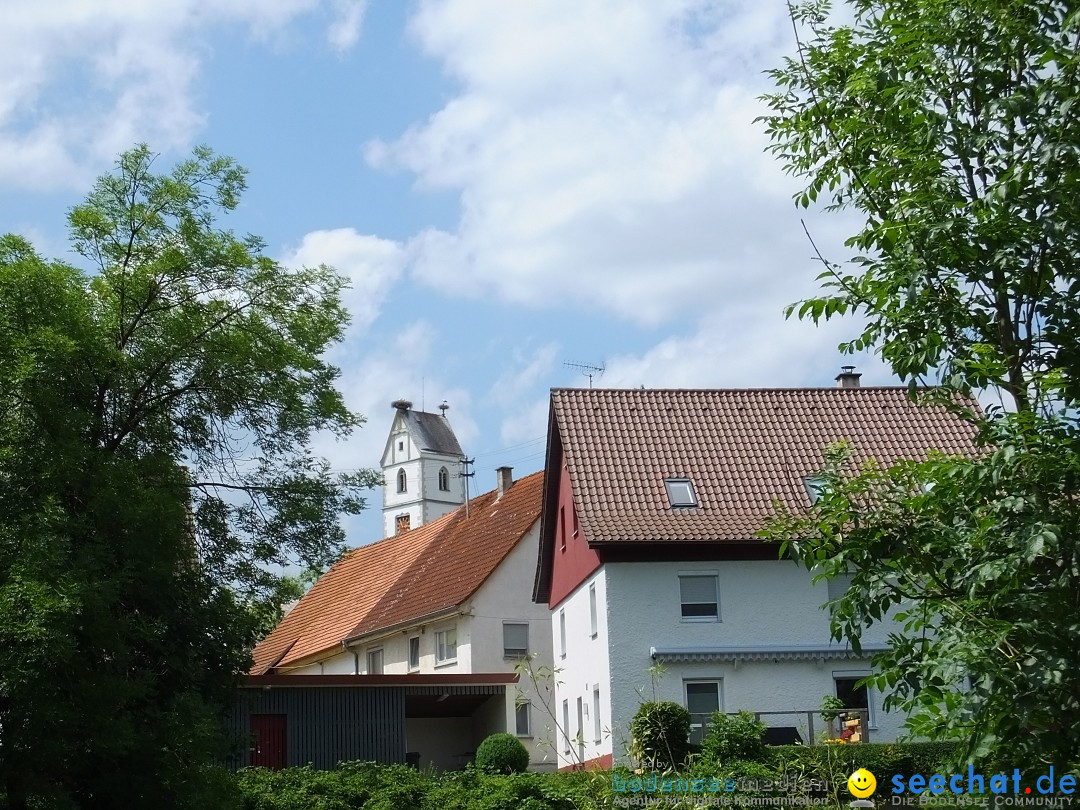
505,477
847,378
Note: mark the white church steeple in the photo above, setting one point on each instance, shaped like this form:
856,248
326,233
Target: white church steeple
421,468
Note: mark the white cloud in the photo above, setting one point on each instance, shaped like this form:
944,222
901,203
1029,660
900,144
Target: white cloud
527,369
81,81
752,346
344,31
372,265
605,154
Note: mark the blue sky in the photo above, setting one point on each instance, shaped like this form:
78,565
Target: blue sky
509,185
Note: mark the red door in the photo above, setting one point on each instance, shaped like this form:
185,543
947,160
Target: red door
268,738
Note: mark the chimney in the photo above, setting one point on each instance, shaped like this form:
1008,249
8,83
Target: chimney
505,476
847,378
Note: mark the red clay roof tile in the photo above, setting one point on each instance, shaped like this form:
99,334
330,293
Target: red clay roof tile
742,449
403,577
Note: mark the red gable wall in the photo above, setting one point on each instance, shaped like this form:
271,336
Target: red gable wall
574,561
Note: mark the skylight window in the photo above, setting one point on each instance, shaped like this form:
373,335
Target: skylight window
680,492
815,487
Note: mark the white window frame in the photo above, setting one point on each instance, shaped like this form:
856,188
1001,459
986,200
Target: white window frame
562,633
382,660
414,667
859,674
593,618
516,652
681,493
597,728
715,576
566,726
523,711
815,484
719,683
440,643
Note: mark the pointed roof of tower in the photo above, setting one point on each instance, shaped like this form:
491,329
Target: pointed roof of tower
432,433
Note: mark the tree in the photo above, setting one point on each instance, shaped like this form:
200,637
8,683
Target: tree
951,127
155,417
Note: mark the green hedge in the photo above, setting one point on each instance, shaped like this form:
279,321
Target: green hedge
835,763
390,787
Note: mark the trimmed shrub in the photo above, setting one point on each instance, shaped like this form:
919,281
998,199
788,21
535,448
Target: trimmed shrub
502,753
661,734
738,737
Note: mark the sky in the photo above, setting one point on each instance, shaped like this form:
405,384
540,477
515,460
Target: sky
511,187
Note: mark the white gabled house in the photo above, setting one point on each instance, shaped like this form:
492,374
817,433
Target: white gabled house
440,610
648,553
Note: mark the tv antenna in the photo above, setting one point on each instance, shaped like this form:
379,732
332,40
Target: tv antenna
587,369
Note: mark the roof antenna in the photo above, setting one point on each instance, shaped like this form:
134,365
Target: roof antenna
587,369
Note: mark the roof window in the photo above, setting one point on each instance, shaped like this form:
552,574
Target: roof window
680,492
816,485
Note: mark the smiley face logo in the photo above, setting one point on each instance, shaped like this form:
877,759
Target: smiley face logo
861,783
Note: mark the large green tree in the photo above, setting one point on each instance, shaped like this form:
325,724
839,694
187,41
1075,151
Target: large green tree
950,129
156,412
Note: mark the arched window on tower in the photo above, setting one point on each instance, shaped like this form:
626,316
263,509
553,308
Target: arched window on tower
401,481
444,479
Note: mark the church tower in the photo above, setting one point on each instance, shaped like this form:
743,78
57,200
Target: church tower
421,466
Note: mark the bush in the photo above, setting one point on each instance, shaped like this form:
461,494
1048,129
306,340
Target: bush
502,753
661,734
738,737
834,763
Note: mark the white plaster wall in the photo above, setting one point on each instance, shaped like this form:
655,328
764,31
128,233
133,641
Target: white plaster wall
586,664
507,596
762,603
439,502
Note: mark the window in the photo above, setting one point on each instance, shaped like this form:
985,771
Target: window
401,445
596,712
573,513
515,640
562,528
374,662
446,646
402,481
562,634
580,736
697,593
854,697
414,653
444,479
702,701
401,523
521,719
592,610
839,585
566,726
680,492
815,487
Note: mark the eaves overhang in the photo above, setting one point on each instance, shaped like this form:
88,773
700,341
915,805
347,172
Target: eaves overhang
763,654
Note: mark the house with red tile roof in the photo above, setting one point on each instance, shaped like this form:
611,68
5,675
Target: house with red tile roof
445,599
648,554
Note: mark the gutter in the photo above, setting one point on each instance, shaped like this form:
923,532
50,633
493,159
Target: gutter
371,635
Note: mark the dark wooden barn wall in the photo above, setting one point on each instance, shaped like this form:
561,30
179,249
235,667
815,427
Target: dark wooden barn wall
328,725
